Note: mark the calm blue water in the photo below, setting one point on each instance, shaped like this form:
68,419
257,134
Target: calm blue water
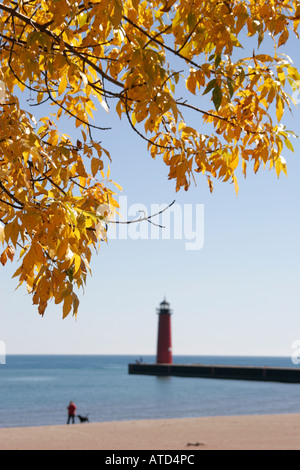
36,390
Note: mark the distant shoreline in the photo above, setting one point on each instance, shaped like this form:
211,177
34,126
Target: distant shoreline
251,432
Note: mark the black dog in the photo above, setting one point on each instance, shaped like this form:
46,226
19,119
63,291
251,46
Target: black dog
83,419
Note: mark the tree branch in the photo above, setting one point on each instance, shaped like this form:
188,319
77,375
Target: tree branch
206,113
43,29
11,196
142,136
189,36
69,112
164,46
142,219
9,204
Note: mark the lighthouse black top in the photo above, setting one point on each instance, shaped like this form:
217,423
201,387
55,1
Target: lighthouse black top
164,307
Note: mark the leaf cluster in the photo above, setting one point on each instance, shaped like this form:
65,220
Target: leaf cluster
138,58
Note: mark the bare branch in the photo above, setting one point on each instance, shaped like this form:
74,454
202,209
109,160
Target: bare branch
143,219
206,113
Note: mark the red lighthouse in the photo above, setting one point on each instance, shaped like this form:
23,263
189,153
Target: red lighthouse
164,340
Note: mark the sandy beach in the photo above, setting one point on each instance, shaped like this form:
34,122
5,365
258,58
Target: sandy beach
266,432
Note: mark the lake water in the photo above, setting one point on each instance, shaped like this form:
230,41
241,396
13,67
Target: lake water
36,390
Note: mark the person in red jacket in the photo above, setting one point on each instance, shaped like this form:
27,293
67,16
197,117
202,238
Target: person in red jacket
71,412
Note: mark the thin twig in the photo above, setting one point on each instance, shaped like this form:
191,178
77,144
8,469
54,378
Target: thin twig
139,133
142,219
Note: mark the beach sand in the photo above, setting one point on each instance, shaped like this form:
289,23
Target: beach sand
266,432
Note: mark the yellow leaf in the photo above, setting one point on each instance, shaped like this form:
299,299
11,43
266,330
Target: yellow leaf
281,75
256,166
42,307
10,252
77,263
96,164
236,186
104,105
167,7
133,118
120,108
211,187
283,37
191,83
67,306
118,186
280,165
118,11
2,233
81,169
63,84
271,94
75,304
3,258
244,167
284,168
279,108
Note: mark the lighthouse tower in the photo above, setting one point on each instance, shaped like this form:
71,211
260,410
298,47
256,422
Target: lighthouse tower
164,340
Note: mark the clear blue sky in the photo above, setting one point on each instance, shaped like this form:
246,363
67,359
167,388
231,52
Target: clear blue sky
238,295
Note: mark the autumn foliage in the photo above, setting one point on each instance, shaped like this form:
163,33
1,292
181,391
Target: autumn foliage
152,63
